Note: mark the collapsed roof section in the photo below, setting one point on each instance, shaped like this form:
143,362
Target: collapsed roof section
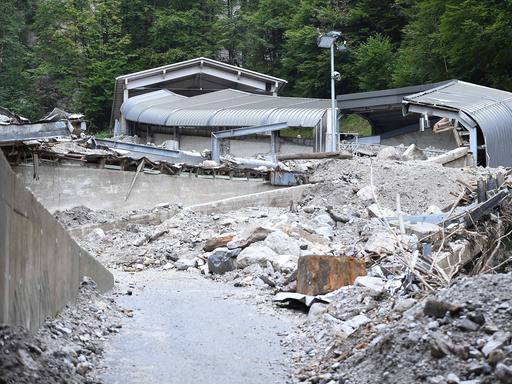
226,108
382,109
483,111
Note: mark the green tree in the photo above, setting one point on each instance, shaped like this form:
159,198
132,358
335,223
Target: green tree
374,63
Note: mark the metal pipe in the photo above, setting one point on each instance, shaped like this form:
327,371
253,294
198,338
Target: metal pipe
334,128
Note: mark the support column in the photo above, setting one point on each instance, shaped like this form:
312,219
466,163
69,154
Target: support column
473,143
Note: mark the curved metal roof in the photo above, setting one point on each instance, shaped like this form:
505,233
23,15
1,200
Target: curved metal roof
489,108
225,108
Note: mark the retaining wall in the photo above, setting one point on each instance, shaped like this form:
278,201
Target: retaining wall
40,264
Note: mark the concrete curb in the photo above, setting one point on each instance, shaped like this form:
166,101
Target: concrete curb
275,198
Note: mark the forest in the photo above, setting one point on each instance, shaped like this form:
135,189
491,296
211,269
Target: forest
67,53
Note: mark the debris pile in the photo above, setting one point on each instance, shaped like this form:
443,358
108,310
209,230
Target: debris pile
65,349
401,230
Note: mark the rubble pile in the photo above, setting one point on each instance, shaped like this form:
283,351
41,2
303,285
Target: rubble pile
66,348
410,228
462,334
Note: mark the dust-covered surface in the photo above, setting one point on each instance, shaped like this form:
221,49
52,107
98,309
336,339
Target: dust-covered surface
65,349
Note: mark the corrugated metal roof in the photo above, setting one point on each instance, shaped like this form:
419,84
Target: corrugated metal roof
225,108
489,108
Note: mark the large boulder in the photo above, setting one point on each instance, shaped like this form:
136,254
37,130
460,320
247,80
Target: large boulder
255,254
282,244
223,260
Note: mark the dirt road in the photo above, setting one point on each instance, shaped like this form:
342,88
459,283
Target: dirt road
187,329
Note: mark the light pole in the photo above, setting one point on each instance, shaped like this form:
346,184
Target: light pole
328,40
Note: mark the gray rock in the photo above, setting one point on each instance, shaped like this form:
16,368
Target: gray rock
366,193
309,209
223,260
466,325
184,264
438,308
96,235
452,378
83,368
325,231
248,236
26,359
255,254
413,153
381,242
375,283
389,153
357,321
282,244
324,219
495,341
404,305
504,373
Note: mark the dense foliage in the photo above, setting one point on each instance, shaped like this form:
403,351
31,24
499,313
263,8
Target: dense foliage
67,53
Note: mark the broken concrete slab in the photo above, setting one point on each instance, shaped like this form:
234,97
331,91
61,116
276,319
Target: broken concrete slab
413,153
319,274
389,153
429,231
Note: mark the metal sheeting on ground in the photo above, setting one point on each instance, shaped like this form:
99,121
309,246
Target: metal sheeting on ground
489,108
225,108
24,132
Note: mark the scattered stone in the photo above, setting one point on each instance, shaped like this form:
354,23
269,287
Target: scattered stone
167,266
184,264
403,305
496,341
255,254
504,373
282,244
467,325
96,235
375,283
413,153
366,193
388,153
83,368
452,378
223,260
438,308
381,242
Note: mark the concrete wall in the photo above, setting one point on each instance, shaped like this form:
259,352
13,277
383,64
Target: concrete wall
60,188
40,264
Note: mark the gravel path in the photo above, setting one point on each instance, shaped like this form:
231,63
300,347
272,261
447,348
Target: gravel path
187,329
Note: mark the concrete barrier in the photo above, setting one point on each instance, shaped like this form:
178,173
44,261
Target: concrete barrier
64,187
276,198
40,264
